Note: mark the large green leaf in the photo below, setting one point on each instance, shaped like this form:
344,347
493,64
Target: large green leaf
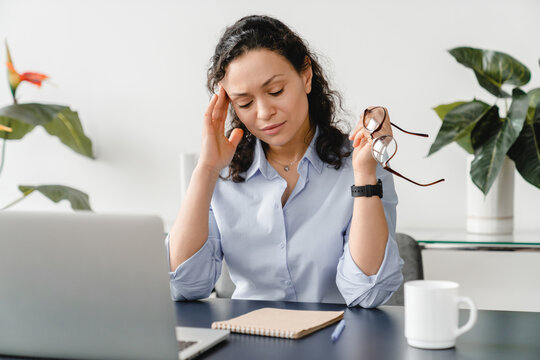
22,118
32,113
492,68
78,199
67,127
57,120
526,150
19,129
492,140
459,122
442,110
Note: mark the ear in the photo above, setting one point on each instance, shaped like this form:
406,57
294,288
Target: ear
307,75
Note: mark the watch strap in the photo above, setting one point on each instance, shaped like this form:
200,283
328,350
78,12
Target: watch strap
368,190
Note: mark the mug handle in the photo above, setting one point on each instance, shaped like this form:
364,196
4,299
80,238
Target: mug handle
472,315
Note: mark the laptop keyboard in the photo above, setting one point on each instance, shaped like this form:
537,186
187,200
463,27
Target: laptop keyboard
185,344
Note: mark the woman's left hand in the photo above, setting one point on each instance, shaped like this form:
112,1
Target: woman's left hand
364,165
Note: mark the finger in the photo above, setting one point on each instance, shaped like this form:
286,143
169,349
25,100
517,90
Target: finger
358,137
236,136
220,111
209,110
364,141
386,112
358,129
360,132
359,126
386,128
361,137
225,108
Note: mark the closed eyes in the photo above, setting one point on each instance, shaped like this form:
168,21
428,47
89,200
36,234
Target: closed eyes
245,106
277,93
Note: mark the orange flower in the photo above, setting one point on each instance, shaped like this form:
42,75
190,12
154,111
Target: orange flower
15,78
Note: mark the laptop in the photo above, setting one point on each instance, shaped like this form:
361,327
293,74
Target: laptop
92,286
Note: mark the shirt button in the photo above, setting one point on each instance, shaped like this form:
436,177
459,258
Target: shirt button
276,206
287,282
282,245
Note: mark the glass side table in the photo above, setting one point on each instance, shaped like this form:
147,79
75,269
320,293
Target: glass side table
497,272
452,239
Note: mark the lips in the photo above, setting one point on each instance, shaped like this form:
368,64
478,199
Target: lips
270,127
273,129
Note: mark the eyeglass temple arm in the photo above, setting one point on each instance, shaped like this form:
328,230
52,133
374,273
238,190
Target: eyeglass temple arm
387,168
408,132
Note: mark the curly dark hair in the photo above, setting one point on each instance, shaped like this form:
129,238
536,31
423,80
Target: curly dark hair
263,32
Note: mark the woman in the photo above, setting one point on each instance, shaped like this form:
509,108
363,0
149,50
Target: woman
273,197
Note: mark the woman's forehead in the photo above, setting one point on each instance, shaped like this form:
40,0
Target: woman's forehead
256,68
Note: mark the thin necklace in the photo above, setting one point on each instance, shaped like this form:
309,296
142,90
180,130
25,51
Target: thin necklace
286,167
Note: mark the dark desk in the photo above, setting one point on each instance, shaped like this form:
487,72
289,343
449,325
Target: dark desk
369,334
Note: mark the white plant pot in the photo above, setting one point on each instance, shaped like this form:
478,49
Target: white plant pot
492,214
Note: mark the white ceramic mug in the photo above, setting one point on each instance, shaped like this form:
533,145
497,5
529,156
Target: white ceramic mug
431,313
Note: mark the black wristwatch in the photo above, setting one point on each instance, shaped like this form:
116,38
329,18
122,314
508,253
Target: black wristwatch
367,190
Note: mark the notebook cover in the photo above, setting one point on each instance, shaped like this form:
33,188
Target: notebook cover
291,324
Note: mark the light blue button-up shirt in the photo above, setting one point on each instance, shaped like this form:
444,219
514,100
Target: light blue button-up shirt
298,252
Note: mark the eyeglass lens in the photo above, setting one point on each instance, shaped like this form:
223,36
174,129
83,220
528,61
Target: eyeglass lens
384,148
374,118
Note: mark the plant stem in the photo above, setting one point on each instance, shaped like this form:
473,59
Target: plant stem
4,141
25,194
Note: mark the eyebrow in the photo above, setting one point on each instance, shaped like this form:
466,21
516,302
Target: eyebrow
263,85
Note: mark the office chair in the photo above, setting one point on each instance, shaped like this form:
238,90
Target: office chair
224,287
408,250
412,268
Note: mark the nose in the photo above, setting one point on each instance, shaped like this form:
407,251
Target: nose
265,109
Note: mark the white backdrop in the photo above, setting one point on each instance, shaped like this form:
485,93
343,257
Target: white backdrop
135,72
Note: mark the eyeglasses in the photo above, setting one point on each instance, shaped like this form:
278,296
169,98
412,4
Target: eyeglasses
384,147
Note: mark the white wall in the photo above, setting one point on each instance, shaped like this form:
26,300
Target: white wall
135,72
479,273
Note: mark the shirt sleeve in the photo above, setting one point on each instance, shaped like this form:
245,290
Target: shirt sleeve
372,291
195,278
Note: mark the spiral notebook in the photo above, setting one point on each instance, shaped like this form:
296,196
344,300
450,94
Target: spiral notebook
290,324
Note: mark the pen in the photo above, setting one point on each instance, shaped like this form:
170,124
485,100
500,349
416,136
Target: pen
337,331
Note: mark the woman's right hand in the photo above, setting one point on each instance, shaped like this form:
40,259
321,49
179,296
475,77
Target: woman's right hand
217,151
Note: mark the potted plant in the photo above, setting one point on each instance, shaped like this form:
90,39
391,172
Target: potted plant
506,127
17,120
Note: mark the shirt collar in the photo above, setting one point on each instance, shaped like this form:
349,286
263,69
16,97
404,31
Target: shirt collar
311,153
261,164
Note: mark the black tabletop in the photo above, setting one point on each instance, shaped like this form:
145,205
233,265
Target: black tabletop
369,334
